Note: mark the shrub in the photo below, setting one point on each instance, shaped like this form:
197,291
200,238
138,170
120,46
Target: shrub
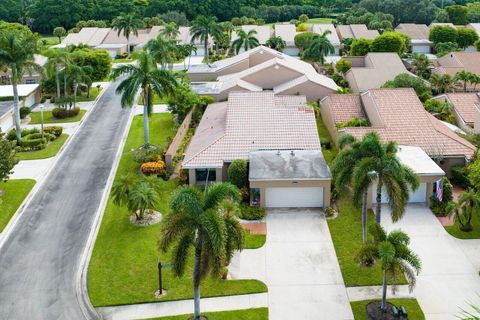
466,37
304,39
404,80
252,213
303,18
302,27
237,173
440,34
343,65
459,176
330,212
360,47
157,167
12,135
55,130
439,208
325,143
24,111
150,154
61,113
390,42
33,142
354,122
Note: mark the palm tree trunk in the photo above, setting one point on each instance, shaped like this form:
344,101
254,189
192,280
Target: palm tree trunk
206,50
75,95
145,118
364,216
384,291
465,86
16,106
378,206
128,46
196,278
57,79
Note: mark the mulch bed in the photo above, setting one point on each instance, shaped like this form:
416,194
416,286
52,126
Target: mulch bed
374,312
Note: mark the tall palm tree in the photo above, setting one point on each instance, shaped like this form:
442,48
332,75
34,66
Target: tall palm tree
319,48
442,83
197,222
146,77
465,77
78,77
170,31
56,60
276,43
395,257
162,50
381,165
203,28
17,52
467,204
475,80
127,24
228,28
247,40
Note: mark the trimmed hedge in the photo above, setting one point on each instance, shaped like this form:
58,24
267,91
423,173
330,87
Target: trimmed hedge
150,154
60,113
24,112
12,134
238,173
252,213
55,130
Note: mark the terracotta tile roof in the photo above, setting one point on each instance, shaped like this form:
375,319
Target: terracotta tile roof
263,32
414,31
287,32
356,31
345,107
404,120
322,27
464,104
252,121
456,61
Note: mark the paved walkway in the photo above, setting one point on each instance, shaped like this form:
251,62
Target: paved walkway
161,309
299,266
375,292
40,257
450,273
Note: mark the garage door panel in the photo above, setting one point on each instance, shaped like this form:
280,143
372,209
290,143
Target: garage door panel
418,196
294,197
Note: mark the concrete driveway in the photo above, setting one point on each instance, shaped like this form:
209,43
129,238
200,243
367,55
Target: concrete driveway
40,258
450,273
299,266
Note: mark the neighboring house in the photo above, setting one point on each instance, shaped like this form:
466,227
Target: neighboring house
465,107
277,135
117,44
457,61
418,34
332,37
436,24
373,70
474,26
27,78
263,33
185,37
356,31
262,69
29,95
397,115
288,32
90,36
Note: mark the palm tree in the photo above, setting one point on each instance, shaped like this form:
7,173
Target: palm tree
319,48
17,52
56,59
420,64
247,40
475,80
394,255
79,77
170,31
465,77
143,76
463,209
228,28
162,50
442,83
276,43
127,24
196,222
203,28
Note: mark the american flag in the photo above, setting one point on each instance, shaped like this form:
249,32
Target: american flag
440,190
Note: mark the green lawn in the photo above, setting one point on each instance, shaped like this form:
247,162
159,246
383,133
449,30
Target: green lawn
14,192
474,234
122,60
48,117
94,92
248,314
50,151
254,241
320,20
50,40
156,100
411,306
330,154
123,268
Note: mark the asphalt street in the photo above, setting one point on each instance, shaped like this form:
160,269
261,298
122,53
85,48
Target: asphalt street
40,259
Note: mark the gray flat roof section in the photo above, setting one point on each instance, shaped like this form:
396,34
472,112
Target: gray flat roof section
288,165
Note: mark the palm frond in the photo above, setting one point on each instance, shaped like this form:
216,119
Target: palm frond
174,226
217,192
188,199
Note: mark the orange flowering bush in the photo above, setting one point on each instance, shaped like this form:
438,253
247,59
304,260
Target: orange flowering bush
156,167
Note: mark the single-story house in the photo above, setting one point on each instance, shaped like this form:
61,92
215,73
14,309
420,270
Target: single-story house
465,107
277,135
436,24
332,37
118,43
6,116
263,33
90,36
418,34
29,94
457,61
27,78
185,37
373,70
288,32
397,115
280,73
356,31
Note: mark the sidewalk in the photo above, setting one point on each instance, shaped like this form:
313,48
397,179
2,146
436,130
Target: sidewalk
160,309
375,292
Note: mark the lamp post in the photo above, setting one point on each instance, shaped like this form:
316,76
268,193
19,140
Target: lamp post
41,119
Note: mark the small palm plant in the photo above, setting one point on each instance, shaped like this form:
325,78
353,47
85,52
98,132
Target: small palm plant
467,204
395,257
127,24
203,28
245,40
276,43
196,222
464,77
319,48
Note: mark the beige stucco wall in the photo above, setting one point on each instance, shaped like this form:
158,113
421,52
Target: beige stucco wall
447,163
352,83
476,119
460,122
262,185
371,110
257,58
327,118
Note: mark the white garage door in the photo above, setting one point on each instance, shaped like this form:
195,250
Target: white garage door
294,197
6,122
418,196
30,100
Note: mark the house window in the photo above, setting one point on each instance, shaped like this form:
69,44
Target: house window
203,174
255,196
30,81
